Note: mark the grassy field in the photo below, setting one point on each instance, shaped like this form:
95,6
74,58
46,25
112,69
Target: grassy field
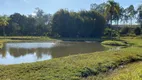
135,41
132,71
76,67
129,72
23,38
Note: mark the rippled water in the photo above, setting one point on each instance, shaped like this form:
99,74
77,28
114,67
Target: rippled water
25,52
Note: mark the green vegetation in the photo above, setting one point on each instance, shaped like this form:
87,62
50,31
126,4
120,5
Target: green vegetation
114,43
24,38
129,72
130,31
69,24
1,45
74,67
82,24
80,39
110,33
135,41
4,22
94,24
112,11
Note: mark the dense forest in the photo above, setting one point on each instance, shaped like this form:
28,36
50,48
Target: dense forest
101,20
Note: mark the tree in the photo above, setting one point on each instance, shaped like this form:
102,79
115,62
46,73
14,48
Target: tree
81,24
125,17
22,25
98,7
139,19
42,21
112,8
109,33
60,23
137,31
4,22
124,30
112,12
118,16
17,25
131,13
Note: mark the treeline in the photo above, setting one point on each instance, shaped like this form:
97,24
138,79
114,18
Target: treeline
97,22
31,25
63,23
78,24
116,14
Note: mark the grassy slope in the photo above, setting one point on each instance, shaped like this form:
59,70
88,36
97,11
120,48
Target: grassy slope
129,72
72,67
135,41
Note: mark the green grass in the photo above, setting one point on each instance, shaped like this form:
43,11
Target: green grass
135,41
132,71
80,39
114,43
48,38
129,72
25,38
75,67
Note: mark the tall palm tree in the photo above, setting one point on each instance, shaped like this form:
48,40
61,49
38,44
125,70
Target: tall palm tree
131,13
112,8
125,17
139,11
111,11
4,22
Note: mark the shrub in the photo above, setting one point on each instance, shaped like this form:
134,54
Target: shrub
110,33
137,31
124,30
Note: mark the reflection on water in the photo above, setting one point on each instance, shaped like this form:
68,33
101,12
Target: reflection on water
15,53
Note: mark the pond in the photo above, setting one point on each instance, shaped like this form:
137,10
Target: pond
26,52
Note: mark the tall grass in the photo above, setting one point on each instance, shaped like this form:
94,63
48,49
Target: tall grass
129,72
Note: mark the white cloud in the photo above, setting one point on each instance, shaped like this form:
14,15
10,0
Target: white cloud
33,14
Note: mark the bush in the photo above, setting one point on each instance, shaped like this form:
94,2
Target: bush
137,31
124,31
110,33
130,31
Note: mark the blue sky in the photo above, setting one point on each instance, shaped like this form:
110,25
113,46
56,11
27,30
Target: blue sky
51,6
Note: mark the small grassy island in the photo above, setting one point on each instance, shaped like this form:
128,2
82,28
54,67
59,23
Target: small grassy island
114,43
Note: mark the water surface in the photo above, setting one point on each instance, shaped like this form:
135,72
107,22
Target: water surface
26,52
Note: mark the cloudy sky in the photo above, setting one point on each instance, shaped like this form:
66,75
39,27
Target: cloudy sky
51,6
